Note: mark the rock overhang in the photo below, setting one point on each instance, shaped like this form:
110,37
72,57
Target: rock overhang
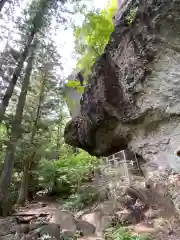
111,111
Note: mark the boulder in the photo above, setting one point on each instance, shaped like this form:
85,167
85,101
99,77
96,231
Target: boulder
85,227
8,226
92,218
23,228
100,220
132,97
34,224
65,219
52,229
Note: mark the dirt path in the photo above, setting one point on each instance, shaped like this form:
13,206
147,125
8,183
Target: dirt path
46,217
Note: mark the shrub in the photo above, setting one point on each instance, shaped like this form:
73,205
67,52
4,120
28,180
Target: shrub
63,176
79,200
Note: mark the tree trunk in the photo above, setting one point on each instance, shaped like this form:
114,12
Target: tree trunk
2,3
23,193
9,91
6,175
24,183
58,141
29,162
58,136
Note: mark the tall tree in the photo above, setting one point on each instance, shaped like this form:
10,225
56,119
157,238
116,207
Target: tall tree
45,85
23,194
15,134
35,24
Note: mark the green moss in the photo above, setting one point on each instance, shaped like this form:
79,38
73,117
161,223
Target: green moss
132,15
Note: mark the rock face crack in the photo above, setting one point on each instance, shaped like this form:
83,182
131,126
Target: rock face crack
135,83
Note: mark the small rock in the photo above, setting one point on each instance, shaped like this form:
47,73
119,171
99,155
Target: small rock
139,203
52,229
144,228
85,228
32,236
23,228
124,216
92,218
67,235
152,214
36,224
170,17
43,204
24,220
103,195
79,214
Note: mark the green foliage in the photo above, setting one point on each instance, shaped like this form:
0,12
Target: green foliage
93,36
82,198
123,234
131,17
3,138
15,185
76,85
64,175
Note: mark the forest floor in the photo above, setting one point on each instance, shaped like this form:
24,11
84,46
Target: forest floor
41,220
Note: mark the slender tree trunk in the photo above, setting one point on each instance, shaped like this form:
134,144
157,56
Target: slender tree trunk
9,91
29,161
23,193
6,175
23,190
58,137
59,128
2,3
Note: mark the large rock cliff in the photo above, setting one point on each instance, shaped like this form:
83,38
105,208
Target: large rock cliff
133,96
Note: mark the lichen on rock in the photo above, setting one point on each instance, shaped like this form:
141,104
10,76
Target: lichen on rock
133,96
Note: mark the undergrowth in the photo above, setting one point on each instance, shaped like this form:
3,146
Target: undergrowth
123,234
64,176
79,200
